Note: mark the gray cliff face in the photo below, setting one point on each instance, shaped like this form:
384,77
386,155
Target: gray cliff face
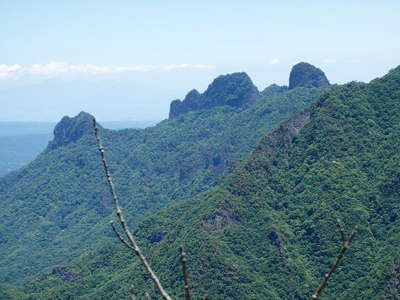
306,75
70,130
235,89
190,103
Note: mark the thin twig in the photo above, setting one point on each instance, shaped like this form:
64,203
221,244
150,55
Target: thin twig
188,293
120,237
339,257
122,220
341,230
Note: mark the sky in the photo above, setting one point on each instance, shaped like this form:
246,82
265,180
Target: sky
126,60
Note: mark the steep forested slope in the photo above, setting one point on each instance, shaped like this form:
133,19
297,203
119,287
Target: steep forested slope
58,206
268,230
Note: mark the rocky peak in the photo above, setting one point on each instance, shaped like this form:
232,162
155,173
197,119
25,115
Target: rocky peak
192,99
69,130
234,89
190,103
306,75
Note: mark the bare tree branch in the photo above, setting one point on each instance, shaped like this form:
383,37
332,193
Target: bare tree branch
188,293
339,257
122,220
120,237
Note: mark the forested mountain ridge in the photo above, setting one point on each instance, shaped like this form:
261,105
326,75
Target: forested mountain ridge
58,207
237,90
268,230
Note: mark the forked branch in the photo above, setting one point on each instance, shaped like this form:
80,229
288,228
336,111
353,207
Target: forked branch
131,243
345,246
120,237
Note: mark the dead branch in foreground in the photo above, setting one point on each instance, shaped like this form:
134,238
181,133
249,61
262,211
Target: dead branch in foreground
345,246
131,243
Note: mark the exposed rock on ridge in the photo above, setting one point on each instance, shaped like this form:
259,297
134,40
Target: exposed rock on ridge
70,130
235,89
238,90
306,75
190,103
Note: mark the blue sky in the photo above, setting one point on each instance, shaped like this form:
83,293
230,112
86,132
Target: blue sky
143,54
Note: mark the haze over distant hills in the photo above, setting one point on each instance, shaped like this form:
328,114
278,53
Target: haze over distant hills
29,128
21,142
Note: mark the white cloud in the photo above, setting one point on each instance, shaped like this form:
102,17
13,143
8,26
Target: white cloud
274,61
7,71
53,69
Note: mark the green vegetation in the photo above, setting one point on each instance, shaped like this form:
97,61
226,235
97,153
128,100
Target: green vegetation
58,206
268,230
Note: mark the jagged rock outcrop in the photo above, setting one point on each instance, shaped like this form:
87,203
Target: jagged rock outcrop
238,90
306,75
70,130
234,89
190,103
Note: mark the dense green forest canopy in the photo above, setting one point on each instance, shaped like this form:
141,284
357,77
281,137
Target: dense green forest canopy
58,206
267,231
